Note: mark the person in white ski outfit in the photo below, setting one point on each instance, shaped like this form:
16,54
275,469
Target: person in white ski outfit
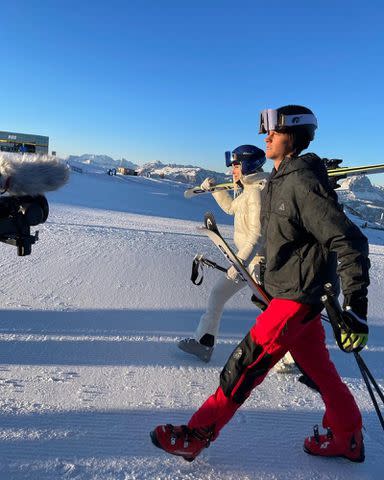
247,162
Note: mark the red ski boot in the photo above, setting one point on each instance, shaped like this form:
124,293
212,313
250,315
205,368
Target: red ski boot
350,446
181,440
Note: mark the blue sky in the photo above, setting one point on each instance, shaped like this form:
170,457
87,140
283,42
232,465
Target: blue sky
183,81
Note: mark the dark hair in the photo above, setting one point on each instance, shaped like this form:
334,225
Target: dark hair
302,135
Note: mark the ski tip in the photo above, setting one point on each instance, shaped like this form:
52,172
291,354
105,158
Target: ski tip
210,222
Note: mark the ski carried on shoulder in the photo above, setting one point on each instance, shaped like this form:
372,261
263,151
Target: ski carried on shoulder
211,230
338,173
191,192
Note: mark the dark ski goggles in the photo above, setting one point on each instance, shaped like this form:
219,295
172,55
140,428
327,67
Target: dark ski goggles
273,120
231,159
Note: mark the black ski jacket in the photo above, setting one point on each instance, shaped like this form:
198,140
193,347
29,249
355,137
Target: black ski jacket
304,229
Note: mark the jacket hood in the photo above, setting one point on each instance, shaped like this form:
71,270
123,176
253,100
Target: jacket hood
253,178
309,161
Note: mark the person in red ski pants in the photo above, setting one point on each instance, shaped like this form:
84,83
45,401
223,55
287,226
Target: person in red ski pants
308,239
284,325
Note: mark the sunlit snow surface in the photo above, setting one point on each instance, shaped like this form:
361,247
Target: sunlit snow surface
88,356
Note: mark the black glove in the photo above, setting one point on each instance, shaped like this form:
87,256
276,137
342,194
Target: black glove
354,331
358,303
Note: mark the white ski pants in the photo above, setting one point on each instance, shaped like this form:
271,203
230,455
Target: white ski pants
222,291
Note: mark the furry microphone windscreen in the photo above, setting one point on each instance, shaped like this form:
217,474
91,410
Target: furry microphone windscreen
30,174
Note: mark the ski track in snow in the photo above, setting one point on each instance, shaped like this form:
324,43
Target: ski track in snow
89,363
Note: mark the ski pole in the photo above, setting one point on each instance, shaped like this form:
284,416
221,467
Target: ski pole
335,317
367,376
209,263
197,263
363,365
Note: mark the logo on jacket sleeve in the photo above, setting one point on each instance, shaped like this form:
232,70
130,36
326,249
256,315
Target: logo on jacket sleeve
282,207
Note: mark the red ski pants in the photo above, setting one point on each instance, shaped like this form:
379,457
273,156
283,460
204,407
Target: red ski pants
284,325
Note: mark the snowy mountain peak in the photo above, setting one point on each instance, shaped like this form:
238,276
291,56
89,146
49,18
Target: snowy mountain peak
363,198
357,183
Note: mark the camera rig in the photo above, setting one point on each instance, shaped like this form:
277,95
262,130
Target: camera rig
17,215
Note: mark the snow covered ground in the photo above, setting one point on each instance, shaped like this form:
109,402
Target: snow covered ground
88,358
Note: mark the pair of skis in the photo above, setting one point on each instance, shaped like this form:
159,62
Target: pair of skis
336,174
330,301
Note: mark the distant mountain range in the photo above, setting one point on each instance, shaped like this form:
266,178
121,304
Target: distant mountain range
181,173
358,194
100,161
178,173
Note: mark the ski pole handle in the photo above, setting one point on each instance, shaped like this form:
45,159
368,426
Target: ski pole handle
195,271
197,263
209,263
334,311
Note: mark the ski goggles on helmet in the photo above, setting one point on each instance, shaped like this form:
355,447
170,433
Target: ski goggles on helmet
250,161
273,120
231,159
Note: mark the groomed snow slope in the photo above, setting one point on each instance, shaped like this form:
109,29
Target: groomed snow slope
88,358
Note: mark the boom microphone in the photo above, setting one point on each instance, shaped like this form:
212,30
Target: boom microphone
29,174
